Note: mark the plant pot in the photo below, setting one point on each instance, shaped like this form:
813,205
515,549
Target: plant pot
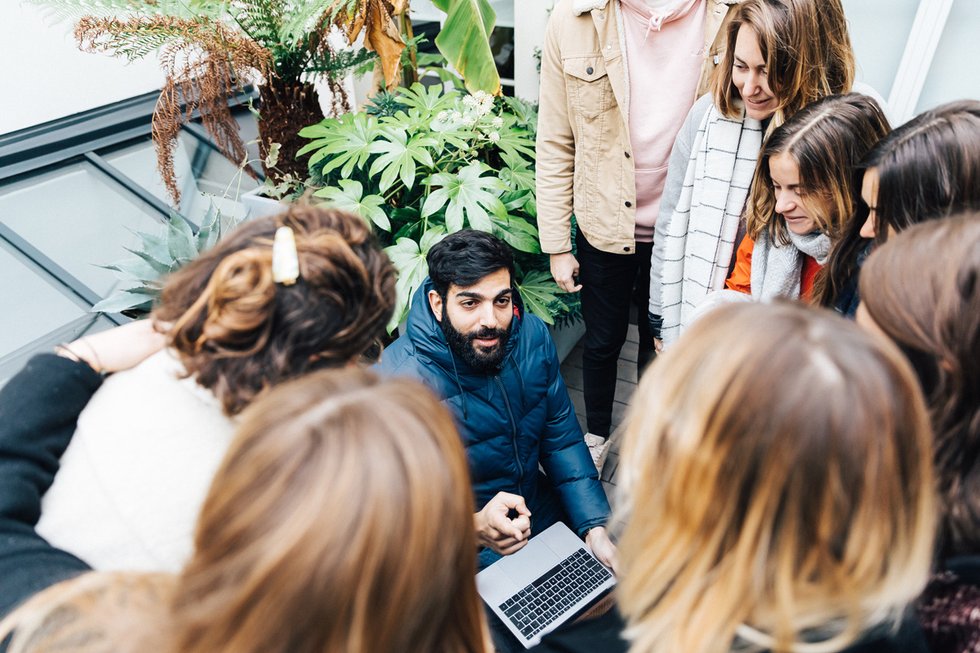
567,337
258,205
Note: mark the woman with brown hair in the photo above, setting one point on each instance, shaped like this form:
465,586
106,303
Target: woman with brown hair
780,56
805,188
340,520
238,321
777,491
927,168
922,290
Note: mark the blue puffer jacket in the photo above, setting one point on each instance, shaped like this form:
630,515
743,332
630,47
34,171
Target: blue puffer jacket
510,422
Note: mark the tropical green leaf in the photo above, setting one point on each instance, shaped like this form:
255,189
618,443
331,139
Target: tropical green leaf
539,293
470,195
346,140
465,42
399,156
515,143
525,113
408,257
350,197
518,173
517,232
428,100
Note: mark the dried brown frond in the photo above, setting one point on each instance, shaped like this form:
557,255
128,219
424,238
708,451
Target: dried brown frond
204,62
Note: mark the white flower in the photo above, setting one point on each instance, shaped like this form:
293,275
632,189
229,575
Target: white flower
455,116
470,101
469,120
494,137
497,122
442,116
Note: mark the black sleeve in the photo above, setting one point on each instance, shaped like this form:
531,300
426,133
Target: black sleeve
603,633
39,408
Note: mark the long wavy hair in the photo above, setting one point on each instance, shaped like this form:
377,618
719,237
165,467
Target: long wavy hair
928,168
340,521
238,332
922,289
827,139
807,50
775,497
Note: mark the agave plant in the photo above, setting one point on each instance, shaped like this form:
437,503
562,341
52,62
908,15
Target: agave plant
141,276
212,48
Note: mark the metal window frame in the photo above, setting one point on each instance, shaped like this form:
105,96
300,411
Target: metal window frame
920,49
83,138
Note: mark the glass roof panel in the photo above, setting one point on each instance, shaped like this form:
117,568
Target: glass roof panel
39,307
203,175
78,218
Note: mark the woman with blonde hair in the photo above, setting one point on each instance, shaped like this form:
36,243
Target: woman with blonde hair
238,320
340,520
776,489
921,289
780,56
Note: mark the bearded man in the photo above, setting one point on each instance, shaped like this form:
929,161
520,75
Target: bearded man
496,368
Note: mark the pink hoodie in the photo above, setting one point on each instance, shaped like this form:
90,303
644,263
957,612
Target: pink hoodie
664,54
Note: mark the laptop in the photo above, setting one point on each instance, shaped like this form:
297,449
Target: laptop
548,582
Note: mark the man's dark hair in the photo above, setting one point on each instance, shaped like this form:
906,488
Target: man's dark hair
465,257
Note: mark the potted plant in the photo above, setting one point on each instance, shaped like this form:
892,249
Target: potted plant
425,162
210,49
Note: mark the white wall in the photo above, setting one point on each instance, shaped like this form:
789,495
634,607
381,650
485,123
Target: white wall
44,76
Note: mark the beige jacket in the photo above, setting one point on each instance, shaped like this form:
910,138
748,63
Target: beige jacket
584,165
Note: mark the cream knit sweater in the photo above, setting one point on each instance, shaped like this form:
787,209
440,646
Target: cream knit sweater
133,479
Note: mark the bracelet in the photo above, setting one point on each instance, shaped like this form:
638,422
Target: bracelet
67,352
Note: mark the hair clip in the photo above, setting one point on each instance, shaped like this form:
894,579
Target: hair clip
285,260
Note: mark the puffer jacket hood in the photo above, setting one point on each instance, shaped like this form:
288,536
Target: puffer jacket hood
511,421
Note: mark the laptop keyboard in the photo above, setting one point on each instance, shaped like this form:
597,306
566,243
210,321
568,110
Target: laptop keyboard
546,599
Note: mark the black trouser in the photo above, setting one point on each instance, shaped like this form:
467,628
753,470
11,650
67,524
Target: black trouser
610,283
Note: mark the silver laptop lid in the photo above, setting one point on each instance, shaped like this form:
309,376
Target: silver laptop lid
544,584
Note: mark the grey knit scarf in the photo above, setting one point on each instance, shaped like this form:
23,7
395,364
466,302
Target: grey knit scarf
776,269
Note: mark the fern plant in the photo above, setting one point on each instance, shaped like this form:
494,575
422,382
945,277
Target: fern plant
212,48
141,276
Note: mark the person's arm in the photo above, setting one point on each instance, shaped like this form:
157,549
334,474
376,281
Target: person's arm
741,277
566,460
39,409
680,156
555,149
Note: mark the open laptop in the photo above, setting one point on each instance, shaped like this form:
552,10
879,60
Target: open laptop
543,585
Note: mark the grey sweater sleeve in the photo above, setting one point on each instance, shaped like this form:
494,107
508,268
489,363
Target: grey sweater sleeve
680,155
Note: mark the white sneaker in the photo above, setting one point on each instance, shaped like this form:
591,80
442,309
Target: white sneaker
598,447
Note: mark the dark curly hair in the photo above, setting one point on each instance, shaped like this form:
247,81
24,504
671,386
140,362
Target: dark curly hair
238,332
465,257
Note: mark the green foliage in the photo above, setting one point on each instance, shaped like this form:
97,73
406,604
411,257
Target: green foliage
431,162
157,256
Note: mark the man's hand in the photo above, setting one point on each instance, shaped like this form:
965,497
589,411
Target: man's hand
564,268
116,349
602,547
496,530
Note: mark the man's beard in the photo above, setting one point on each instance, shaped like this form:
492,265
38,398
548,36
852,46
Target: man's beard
462,344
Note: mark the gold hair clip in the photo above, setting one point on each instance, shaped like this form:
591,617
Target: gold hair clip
285,260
